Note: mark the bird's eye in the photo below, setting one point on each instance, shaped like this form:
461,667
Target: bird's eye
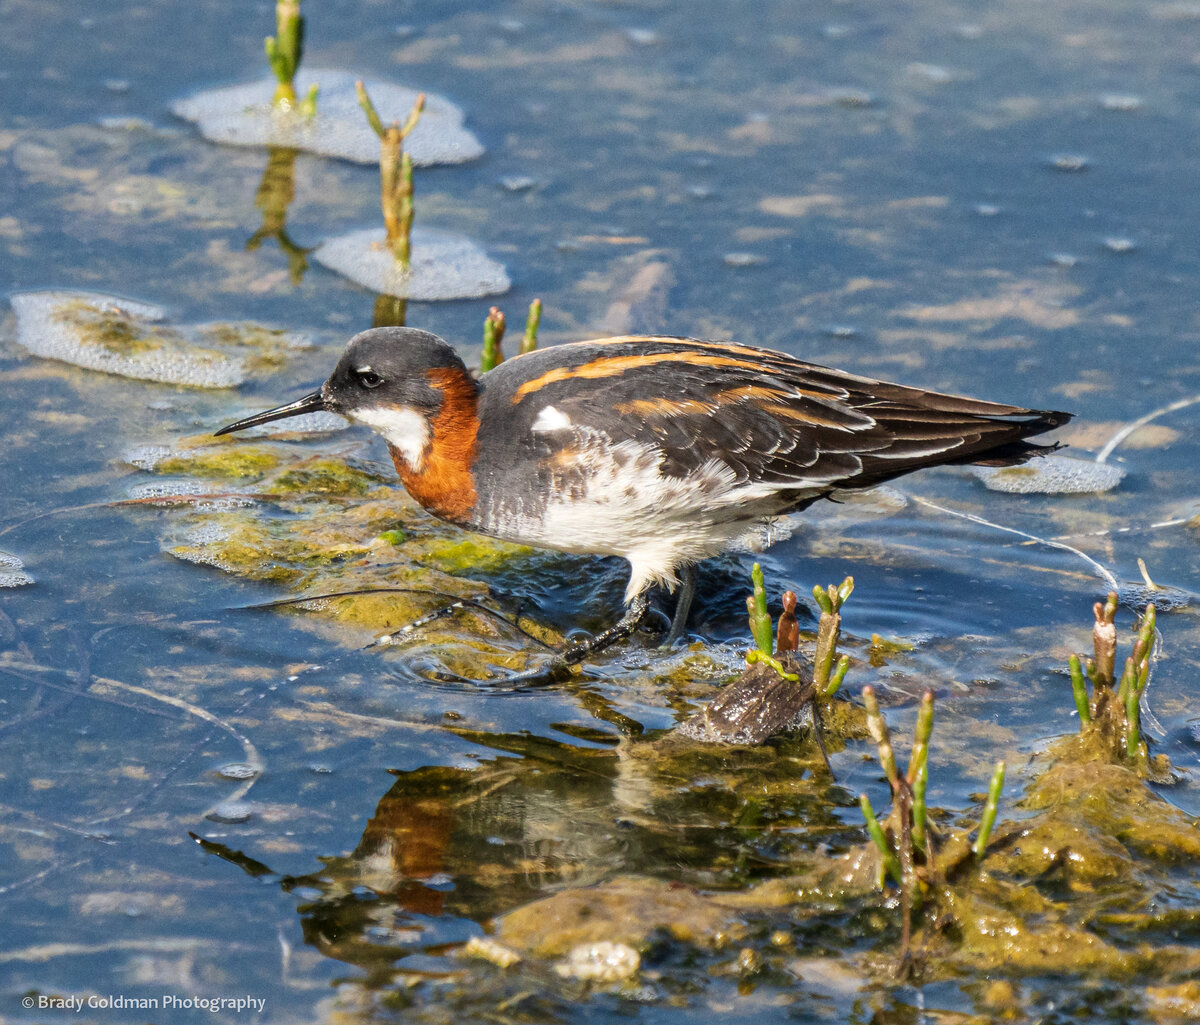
368,378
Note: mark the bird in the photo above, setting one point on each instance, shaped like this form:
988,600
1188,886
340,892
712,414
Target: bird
661,450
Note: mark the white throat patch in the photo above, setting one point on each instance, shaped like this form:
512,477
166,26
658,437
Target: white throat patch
406,430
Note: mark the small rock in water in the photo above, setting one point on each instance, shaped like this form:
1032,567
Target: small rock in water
443,266
1051,475
244,115
756,706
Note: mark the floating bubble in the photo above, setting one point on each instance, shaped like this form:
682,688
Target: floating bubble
1120,102
1052,475
1069,162
850,97
12,571
245,115
840,330
931,73
744,259
231,812
239,770
444,265
644,36
517,183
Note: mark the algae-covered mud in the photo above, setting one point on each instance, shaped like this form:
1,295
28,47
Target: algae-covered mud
274,748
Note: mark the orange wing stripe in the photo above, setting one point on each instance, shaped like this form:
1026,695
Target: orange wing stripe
647,408
613,366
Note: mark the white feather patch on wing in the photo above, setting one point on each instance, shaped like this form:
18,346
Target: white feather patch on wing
551,419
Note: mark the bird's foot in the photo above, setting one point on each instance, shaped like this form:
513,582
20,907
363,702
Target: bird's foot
575,653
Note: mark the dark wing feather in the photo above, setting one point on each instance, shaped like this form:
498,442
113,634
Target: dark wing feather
767,416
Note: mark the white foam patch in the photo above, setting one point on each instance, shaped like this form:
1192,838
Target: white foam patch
118,336
202,545
443,266
170,490
12,571
244,115
306,423
165,488
1052,475
146,457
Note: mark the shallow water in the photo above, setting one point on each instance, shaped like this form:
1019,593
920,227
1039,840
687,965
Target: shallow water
994,202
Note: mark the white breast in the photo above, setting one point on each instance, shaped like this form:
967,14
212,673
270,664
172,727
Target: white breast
628,507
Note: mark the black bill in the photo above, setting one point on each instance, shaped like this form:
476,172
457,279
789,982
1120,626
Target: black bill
313,403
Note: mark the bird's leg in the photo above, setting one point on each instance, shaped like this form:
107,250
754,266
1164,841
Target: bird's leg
635,612
683,605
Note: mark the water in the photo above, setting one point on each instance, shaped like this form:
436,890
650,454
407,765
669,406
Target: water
993,202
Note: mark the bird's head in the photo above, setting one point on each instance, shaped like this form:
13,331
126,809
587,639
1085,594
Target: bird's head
395,380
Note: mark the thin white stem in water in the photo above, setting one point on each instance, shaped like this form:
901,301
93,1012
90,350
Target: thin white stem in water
1102,570
1141,421
1136,528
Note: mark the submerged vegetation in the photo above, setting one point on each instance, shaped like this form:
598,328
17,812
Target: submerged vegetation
949,894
